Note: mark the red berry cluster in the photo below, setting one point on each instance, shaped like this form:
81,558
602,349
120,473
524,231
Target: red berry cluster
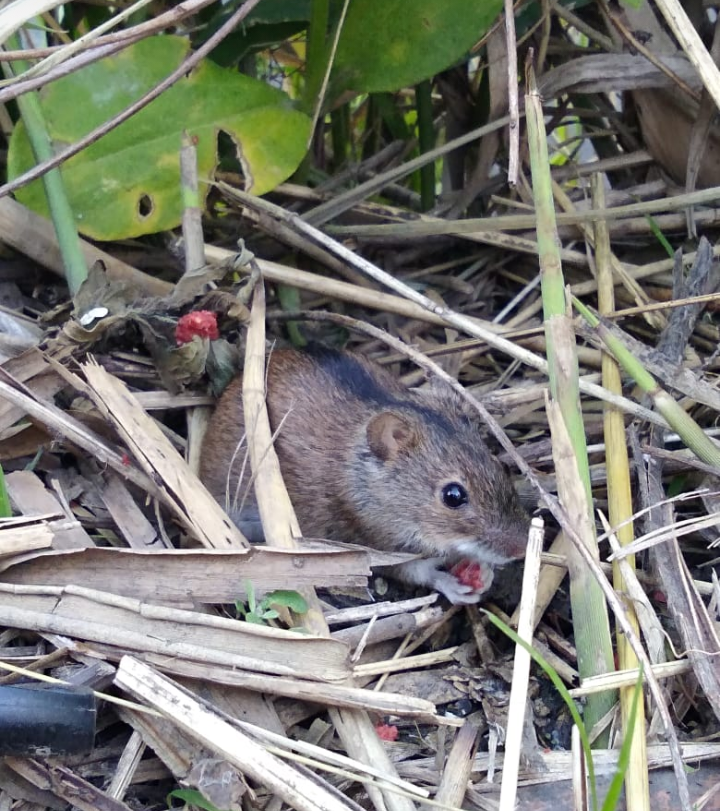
202,323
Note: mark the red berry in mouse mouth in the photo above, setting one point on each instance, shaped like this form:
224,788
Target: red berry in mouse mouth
202,323
469,573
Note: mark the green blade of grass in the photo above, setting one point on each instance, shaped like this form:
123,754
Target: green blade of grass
590,619
564,694
613,795
5,508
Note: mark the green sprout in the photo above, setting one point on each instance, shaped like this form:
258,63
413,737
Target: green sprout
262,612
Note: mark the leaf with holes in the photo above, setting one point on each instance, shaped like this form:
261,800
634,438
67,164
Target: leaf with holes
128,183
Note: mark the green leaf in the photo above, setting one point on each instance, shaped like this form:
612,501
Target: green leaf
276,11
269,23
127,183
250,591
612,798
288,599
190,796
5,507
389,44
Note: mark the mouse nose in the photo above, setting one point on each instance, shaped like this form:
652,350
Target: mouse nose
517,552
515,542
507,542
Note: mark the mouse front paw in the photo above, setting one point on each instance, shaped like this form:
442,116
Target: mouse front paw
455,590
463,585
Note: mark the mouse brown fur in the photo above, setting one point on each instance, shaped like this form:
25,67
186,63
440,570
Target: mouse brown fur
366,460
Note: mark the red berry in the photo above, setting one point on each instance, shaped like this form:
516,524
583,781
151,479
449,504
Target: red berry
469,573
202,323
386,732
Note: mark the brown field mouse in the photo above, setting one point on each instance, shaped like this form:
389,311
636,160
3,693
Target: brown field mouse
366,460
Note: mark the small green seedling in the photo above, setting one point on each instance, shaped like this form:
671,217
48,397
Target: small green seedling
191,797
5,507
261,612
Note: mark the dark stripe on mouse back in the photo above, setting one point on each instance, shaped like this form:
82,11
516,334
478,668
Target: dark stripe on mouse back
352,376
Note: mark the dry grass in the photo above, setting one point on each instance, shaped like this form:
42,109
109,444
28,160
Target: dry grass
120,571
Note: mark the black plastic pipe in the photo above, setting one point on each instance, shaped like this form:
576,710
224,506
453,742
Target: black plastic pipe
46,721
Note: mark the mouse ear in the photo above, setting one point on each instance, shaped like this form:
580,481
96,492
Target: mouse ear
389,434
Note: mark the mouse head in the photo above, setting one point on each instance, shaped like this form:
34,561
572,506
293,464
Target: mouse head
427,482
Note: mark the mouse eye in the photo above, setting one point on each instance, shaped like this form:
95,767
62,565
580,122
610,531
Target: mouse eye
454,495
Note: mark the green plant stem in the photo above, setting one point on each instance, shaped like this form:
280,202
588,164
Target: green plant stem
386,105
60,209
340,129
590,619
426,142
289,298
620,512
317,53
681,422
